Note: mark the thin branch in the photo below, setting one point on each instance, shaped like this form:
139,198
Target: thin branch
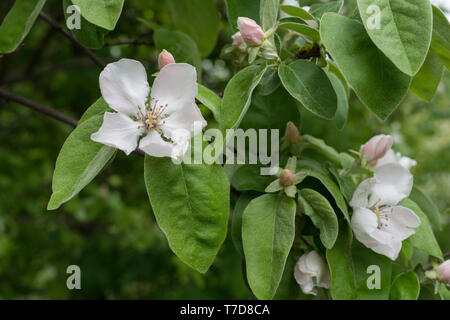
74,41
55,114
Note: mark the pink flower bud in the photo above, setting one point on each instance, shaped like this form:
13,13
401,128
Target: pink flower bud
238,40
376,148
287,178
251,32
443,272
165,58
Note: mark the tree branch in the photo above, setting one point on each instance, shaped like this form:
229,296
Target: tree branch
74,41
55,114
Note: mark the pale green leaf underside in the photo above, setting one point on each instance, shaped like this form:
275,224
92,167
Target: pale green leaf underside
210,100
404,33
406,286
426,81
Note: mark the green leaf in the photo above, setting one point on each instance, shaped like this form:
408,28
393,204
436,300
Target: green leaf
375,79
406,286
297,12
79,162
198,19
180,45
317,207
331,67
340,118
248,177
210,100
239,8
400,29
268,230
90,35
98,108
339,259
426,81
427,206
309,84
424,238
363,260
269,13
441,36
264,112
301,28
320,146
238,94
191,204
269,83
329,184
319,9
236,222
345,182
17,23
103,13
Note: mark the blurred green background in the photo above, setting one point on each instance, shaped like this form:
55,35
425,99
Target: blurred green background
109,229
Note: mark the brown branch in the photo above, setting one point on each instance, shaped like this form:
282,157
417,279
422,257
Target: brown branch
74,41
55,114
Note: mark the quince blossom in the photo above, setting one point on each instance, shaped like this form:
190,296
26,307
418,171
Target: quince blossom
167,121
377,221
311,272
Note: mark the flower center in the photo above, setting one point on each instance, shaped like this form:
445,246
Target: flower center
152,117
382,212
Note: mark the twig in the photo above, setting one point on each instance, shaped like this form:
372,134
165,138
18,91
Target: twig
55,114
8,96
74,41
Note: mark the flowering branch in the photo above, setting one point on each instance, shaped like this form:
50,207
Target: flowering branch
74,41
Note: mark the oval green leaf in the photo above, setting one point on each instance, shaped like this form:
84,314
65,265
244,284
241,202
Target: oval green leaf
375,79
191,204
400,29
103,13
406,286
268,231
309,84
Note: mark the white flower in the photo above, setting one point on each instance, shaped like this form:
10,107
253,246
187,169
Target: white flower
377,221
311,272
392,157
168,120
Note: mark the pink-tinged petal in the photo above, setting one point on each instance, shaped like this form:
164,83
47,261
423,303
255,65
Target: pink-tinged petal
443,272
175,86
402,222
154,145
188,117
376,148
119,131
387,245
361,195
124,86
252,33
394,183
165,58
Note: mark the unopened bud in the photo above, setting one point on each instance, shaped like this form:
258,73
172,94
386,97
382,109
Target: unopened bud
376,148
292,134
238,40
287,178
165,58
251,32
443,272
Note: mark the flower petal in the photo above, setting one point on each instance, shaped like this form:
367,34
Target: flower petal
361,195
188,117
402,222
394,183
154,145
364,223
388,245
119,131
124,86
176,86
